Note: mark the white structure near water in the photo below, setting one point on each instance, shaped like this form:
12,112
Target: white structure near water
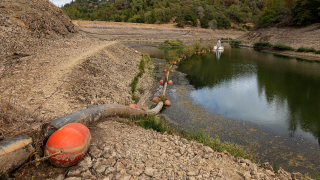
218,47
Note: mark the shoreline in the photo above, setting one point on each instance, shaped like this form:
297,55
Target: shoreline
307,56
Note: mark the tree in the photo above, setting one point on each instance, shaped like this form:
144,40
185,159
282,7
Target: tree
204,22
306,12
200,12
153,17
189,15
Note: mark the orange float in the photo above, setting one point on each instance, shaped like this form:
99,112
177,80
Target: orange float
133,105
171,70
167,103
73,140
164,70
198,52
174,62
161,82
155,99
170,82
178,60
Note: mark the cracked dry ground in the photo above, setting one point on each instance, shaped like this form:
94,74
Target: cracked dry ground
122,151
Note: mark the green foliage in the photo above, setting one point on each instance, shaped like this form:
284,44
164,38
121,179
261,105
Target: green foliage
204,22
318,52
196,46
318,27
282,47
186,12
275,166
216,144
172,56
306,12
274,11
262,44
177,42
235,42
188,51
189,15
311,49
305,49
249,28
133,84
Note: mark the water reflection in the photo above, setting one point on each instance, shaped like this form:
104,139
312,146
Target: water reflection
218,53
278,92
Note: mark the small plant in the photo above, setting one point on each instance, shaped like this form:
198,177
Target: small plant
249,28
282,47
275,166
135,98
318,27
141,90
318,52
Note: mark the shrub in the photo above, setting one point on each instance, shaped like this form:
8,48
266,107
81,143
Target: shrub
204,23
318,52
282,47
311,49
236,42
249,28
301,49
262,44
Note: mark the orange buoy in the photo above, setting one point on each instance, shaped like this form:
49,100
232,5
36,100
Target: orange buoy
164,70
178,60
170,82
198,52
171,70
167,103
133,105
161,82
73,140
174,62
195,52
155,99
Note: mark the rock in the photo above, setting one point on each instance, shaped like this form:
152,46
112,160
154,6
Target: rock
192,172
119,166
110,170
95,152
74,171
123,176
60,177
269,172
267,166
86,162
149,171
296,176
73,178
86,174
135,171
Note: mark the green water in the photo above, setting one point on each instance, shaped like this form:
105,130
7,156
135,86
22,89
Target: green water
279,92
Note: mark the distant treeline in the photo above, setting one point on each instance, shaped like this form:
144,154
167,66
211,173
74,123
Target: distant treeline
210,13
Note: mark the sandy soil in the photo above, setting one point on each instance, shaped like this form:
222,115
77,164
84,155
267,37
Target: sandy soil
151,32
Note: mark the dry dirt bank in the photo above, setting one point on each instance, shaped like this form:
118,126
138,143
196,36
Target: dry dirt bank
151,32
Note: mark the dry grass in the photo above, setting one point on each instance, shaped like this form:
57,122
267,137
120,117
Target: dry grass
16,120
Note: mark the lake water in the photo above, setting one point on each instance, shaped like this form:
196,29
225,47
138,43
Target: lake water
277,93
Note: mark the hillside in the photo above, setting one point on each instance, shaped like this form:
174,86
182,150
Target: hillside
207,13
